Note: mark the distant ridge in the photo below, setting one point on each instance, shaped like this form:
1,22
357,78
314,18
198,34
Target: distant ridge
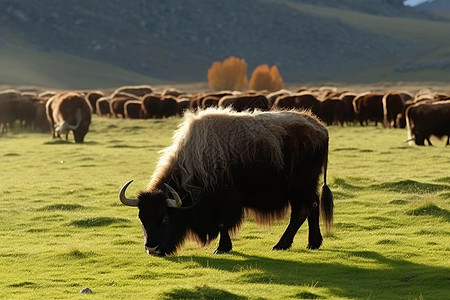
177,40
436,6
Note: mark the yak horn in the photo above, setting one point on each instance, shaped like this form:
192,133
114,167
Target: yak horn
75,127
124,199
410,140
173,202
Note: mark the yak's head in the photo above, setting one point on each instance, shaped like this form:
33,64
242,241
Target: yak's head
160,218
63,127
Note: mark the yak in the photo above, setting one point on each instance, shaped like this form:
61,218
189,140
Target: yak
69,111
135,90
368,106
223,164
425,119
302,100
245,102
394,105
158,106
102,106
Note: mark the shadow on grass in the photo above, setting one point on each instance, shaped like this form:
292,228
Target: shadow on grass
69,142
11,154
410,186
430,210
344,183
390,277
59,142
201,292
26,284
98,222
62,206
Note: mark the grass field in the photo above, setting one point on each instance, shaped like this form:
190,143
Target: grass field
63,228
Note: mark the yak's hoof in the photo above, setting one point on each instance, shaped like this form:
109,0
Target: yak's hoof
278,247
218,251
314,246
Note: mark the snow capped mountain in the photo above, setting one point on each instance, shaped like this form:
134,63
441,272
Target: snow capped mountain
415,2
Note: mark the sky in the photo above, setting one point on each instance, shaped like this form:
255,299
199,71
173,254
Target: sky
415,2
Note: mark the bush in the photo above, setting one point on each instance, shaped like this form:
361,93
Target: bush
264,78
231,74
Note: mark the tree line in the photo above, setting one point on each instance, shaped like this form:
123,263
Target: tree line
231,74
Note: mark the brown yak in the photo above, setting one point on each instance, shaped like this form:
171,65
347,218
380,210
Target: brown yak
69,111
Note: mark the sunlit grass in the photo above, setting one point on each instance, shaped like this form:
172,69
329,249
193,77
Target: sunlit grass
63,228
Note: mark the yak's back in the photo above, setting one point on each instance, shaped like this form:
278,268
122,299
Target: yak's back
209,143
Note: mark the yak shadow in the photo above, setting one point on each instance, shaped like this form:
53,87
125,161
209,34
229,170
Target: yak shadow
202,292
339,278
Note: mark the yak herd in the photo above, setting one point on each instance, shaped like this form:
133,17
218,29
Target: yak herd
424,114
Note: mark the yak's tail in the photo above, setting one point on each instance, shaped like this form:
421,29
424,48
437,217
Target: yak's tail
326,199
409,126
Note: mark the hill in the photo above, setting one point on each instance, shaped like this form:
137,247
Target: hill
138,41
437,6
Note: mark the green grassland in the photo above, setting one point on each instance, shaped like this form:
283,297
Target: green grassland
63,228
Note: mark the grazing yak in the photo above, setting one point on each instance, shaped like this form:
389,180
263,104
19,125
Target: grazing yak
210,101
133,109
69,111
394,107
92,97
183,105
102,106
368,106
19,106
7,109
117,106
197,101
333,111
426,119
136,90
303,100
158,106
223,164
349,113
244,102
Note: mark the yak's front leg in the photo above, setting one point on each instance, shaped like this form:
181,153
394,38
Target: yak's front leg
298,216
224,241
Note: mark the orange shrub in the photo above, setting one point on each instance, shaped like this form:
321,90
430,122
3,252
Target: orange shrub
264,78
231,74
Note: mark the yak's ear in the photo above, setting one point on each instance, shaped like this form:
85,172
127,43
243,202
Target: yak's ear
176,202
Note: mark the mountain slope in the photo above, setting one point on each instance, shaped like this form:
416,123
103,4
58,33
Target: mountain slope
178,40
437,6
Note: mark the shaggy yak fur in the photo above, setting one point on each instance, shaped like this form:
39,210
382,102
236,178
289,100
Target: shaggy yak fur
426,119
223,164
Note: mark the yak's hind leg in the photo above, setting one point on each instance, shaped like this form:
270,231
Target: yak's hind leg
314,235
224,241
298,216
299,213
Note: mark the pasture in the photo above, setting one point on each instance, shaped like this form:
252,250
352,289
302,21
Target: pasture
63,228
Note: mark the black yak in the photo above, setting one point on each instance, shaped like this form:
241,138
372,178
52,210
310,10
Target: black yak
223,164
426,119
